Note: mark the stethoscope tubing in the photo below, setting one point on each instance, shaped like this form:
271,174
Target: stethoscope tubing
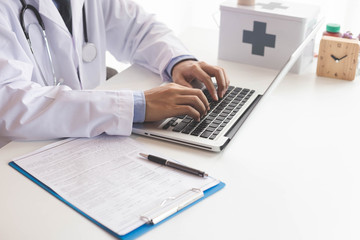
36,13
89,49
42,25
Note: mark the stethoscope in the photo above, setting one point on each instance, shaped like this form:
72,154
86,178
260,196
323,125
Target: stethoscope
89,50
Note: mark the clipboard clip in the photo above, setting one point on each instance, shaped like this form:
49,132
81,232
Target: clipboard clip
172,205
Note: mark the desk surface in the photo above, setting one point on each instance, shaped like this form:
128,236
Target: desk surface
292,171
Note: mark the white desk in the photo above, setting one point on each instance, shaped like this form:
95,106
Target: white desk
292,171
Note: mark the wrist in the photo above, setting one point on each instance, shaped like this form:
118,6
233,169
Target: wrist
175,61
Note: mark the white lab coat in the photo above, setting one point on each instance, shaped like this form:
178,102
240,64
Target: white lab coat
30,110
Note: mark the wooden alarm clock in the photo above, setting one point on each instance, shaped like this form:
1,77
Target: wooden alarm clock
338,58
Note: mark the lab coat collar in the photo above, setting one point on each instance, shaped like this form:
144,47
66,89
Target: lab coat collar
76,8
48,9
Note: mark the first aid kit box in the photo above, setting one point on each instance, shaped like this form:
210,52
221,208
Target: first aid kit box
267,33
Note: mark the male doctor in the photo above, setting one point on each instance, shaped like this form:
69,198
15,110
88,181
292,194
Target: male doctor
45,90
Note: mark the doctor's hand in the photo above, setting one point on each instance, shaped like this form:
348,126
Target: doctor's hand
186,71
174,100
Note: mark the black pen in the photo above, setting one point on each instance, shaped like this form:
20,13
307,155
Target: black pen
177,166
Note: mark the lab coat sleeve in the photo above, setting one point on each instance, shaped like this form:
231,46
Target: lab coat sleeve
137,37
31,111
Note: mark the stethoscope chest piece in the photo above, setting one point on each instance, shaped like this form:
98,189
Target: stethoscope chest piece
89,52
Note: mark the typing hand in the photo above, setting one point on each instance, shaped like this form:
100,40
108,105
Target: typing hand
174,100
185,72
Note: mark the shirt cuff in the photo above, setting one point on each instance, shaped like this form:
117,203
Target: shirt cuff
173,62
139,107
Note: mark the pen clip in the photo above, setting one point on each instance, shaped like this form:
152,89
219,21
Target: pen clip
172,205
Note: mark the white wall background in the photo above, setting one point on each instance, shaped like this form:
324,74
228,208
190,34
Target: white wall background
181,14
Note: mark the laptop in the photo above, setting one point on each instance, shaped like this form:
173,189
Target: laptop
215,130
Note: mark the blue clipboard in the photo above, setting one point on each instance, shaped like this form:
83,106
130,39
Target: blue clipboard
131,235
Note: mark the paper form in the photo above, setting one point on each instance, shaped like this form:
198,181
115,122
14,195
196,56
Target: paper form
105,178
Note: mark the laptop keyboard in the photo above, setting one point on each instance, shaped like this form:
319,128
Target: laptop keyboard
219,115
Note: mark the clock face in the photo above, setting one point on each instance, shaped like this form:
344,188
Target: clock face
338,58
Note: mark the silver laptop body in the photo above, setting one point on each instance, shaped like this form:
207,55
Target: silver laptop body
197,135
